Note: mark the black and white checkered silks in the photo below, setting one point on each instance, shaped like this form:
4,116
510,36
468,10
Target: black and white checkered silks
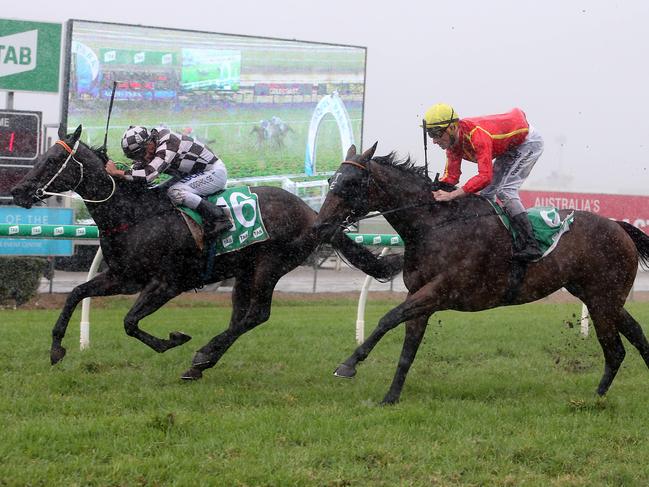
199,170
134,139
177,155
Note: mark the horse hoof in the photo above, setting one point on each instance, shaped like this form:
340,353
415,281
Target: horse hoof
192,374
388,401
345,371
201,360
56,355
178,338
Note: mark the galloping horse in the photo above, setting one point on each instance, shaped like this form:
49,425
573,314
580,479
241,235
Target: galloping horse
149,249
272,131
458,256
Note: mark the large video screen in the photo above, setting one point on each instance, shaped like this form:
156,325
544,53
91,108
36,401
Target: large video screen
265,106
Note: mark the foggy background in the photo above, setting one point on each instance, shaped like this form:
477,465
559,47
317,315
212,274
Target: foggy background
578,69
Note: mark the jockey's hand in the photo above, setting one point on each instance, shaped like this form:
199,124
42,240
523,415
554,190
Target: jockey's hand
111,169
448,196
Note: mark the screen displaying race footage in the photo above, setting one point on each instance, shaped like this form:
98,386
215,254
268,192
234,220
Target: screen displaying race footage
265,106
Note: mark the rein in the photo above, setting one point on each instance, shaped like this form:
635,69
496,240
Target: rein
40,192
345,224
369,174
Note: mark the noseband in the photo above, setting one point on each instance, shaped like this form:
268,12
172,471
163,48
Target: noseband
42,191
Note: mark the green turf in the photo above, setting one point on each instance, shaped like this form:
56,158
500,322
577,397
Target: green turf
502,397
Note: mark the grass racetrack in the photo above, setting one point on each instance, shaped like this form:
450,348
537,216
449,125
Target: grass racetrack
228,133
502,397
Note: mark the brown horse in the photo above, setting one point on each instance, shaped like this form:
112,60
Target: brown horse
149,249
458,256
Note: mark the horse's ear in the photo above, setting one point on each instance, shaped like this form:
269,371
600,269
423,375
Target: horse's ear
351,152
62,133
76,134
369,153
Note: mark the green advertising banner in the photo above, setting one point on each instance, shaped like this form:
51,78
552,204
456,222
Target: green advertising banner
30,55
138,57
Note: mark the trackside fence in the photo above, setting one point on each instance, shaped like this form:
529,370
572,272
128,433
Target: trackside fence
78,232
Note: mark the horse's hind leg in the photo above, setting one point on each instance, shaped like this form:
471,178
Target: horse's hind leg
632,331
255,298
606,322
415,330
153,296
104,284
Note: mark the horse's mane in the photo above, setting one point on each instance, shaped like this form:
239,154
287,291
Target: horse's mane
409,166
100,151
406,165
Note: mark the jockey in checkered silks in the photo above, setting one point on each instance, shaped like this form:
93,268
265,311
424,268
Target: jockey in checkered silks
196,170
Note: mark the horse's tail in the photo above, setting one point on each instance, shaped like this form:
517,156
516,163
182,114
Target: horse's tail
381,268
641,241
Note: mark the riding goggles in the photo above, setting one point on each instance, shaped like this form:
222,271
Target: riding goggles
436,132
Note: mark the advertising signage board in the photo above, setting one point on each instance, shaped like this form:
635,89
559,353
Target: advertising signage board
30,56
12,215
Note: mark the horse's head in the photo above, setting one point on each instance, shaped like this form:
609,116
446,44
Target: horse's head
57,170
348,193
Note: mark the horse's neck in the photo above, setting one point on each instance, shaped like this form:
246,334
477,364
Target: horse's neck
421,212
127,205
413,225
108,213
397,189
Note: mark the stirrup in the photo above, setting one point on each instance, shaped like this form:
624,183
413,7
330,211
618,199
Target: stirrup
215,229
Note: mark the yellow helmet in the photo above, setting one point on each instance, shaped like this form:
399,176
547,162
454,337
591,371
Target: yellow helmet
440,115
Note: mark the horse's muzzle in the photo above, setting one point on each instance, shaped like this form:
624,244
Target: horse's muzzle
23,196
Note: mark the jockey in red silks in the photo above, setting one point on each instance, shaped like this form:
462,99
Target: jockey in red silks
504,146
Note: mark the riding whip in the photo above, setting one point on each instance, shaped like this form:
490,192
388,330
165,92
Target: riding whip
423,126
110,109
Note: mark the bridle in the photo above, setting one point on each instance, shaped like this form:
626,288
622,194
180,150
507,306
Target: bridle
367,180
365,185
42,191
352,219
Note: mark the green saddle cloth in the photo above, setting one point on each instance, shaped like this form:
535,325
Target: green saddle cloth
546,223
244,210
243,207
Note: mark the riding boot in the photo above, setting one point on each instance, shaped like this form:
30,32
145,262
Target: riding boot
527,248
215,220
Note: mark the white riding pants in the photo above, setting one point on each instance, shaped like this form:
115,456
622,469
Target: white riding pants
189,190
511,169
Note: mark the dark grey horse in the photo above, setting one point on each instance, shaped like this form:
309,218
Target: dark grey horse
150,250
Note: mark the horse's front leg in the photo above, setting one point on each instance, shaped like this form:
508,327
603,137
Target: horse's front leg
418,306
155,294
104,284
415,330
